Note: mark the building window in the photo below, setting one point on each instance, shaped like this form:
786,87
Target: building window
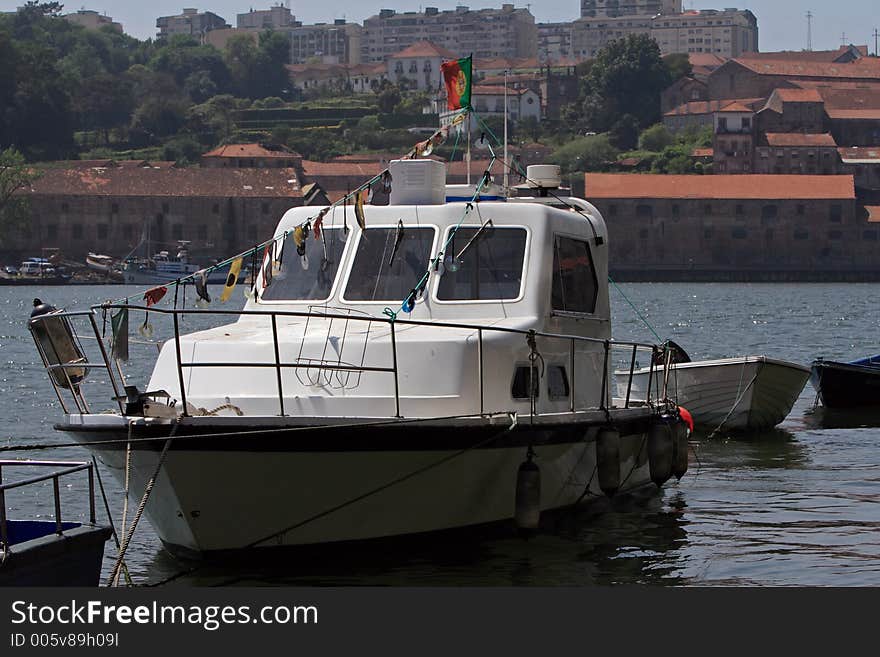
643,234
77,231
835,213
739,209
65,207
114,208
644,211
707,209
801,234
801,210
739,233
769,212
265,208
612,210
676,211
835,234
708,232
870,235
216,208
164,208
103,230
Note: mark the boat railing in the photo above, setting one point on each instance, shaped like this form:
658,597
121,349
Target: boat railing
318,371
63,468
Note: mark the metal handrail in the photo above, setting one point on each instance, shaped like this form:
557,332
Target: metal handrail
279,366
68,467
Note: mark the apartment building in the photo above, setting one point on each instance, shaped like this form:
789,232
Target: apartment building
191,23
727,33
508,32
330,43
274,18
92,20
613,8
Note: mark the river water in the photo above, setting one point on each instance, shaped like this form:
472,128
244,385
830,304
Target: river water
796,506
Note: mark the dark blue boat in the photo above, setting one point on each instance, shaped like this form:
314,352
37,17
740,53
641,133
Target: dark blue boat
847,385
49,552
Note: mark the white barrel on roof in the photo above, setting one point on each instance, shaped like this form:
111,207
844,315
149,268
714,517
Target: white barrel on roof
417,182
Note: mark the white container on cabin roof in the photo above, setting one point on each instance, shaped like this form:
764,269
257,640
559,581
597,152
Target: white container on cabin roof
417,182
548,176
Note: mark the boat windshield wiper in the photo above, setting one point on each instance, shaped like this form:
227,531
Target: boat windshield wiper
398,238
473,239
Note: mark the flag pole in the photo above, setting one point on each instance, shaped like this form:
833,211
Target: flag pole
506,179
468,150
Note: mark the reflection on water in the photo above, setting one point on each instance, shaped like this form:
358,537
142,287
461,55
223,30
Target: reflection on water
798,505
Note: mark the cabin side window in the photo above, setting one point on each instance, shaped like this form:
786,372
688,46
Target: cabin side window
295,283
389,263
488,264
575,288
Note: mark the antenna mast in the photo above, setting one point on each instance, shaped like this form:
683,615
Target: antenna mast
809,31
506,180
875,35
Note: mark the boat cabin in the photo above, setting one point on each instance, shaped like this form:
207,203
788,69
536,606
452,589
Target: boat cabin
462,282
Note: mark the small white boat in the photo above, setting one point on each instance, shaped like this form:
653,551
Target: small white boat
100,262
745,392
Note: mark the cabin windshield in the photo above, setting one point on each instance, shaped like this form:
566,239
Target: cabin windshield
294,282
388,263
490,268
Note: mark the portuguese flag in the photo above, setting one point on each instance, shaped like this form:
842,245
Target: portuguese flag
457,76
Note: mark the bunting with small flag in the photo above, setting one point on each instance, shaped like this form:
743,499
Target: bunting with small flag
359,199
154,295
231,280
201,280
119,326
457,75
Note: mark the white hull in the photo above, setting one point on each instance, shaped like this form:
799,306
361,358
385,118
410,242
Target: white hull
150,277
749,392
214,500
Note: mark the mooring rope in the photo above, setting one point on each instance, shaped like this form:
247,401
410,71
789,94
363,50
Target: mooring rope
114,575
110,519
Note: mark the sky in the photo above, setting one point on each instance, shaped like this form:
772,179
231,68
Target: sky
782,24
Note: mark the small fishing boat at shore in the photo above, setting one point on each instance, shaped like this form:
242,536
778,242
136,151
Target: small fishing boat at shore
49,552
742,393
163,268
852,384
417,367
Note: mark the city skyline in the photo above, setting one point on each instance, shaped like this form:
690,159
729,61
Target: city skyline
782,24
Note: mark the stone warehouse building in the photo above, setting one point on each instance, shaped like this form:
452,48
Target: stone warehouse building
108,209
735,227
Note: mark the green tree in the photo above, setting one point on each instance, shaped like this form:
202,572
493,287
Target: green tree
624,134
15,175
626,77
388,99
585,154
656,138
679,66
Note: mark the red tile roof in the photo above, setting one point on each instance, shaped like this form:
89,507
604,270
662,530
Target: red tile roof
736,107
365,170
864,153
192,181
800,139
424,49
801,55
769,187
867,68
873,213
798,95
854,114
251,150
696,107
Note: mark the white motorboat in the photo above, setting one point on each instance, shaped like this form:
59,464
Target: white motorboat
162,268
404,374
745,392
